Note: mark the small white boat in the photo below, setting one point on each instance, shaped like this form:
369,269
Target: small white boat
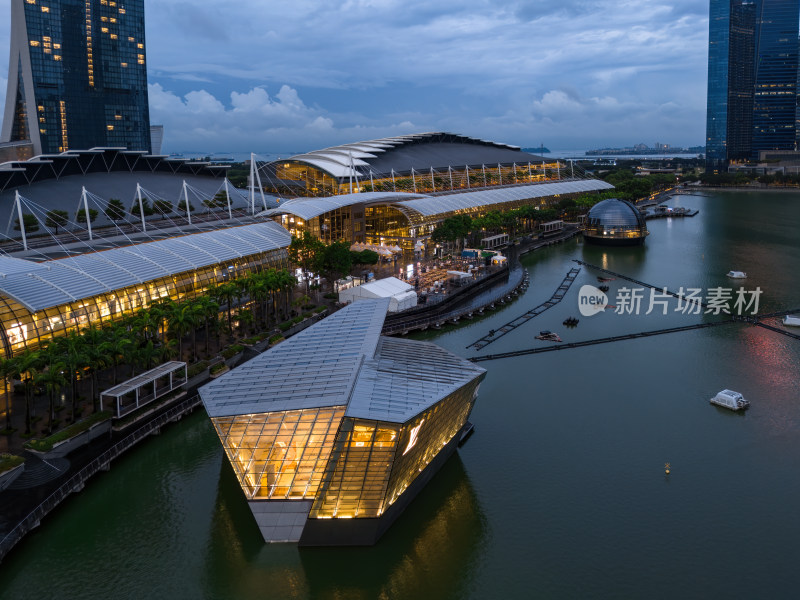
730,399
791,321
737,274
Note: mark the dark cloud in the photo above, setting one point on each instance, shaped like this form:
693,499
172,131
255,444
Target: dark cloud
304,73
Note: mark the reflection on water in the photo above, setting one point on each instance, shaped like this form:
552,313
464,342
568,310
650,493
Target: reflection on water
559,494
429,552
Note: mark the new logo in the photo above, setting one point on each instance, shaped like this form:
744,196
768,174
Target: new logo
591,301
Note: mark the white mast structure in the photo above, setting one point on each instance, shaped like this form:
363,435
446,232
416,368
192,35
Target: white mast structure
141,206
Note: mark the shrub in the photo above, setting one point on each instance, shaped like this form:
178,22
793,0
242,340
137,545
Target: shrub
9,461
197,368
285,326
307,315
308,306
251,340
276,338
46,444
218,367
297,319
320,309
331,296
232,351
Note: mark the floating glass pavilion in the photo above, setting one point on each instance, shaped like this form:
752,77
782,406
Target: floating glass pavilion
39,301
615,222
333,432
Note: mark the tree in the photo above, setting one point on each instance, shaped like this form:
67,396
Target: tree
80,216
336,260
182,206
365,257
7,371
29,363
115,210
306,252
115,345
146,208
220,200
163,207
53,381
55,219
30,221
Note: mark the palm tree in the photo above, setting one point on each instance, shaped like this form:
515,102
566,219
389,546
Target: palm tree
7,370
209,309
29,363
53,381
181,320
70,351
246,319
224,294
286,283
160,311
146,355
96,359
117,341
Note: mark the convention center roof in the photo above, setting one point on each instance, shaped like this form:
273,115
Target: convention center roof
423,151
429,205
342,361
55,282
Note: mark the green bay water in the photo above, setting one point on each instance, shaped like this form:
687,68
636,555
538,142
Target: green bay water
560,492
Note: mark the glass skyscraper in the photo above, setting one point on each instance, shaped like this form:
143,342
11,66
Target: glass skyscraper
752,79
77,75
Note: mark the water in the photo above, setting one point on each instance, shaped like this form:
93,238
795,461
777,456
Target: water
560,492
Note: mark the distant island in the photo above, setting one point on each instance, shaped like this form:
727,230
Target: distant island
645,149
538,149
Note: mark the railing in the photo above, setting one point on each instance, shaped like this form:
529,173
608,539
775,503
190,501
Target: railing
76,482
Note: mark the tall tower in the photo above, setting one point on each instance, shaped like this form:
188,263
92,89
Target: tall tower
752,79
775,99
77,76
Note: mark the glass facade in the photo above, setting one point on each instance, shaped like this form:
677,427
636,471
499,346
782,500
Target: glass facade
89,74
21,329
775,99
280,455
752,79
304,179
373,462
613,218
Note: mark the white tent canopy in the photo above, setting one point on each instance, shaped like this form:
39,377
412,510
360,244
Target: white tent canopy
401,295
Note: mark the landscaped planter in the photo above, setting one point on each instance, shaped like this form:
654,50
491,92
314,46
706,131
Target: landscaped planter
220,372
7,478
64,447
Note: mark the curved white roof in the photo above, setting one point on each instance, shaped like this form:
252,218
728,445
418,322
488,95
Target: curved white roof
308,208
336,160
56,282
434,205
427,205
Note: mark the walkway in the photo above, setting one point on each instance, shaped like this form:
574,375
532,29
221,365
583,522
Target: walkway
641,283
607,340
557,296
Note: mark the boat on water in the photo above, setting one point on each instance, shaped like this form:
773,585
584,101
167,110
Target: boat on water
730,400
791,321
605,279
571,322
602,288
737,274
548,336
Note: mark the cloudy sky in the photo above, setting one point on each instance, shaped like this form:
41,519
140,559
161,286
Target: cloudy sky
285,77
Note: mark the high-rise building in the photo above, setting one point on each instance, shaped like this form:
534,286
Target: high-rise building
752,79
775,97
77,75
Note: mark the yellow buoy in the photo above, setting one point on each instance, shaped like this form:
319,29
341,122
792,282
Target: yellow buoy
666,468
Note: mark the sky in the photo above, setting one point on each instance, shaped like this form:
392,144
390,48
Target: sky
288,77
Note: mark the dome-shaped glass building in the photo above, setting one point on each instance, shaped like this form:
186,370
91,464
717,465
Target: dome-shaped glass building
615,222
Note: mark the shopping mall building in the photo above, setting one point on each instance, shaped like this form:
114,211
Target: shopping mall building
394,191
